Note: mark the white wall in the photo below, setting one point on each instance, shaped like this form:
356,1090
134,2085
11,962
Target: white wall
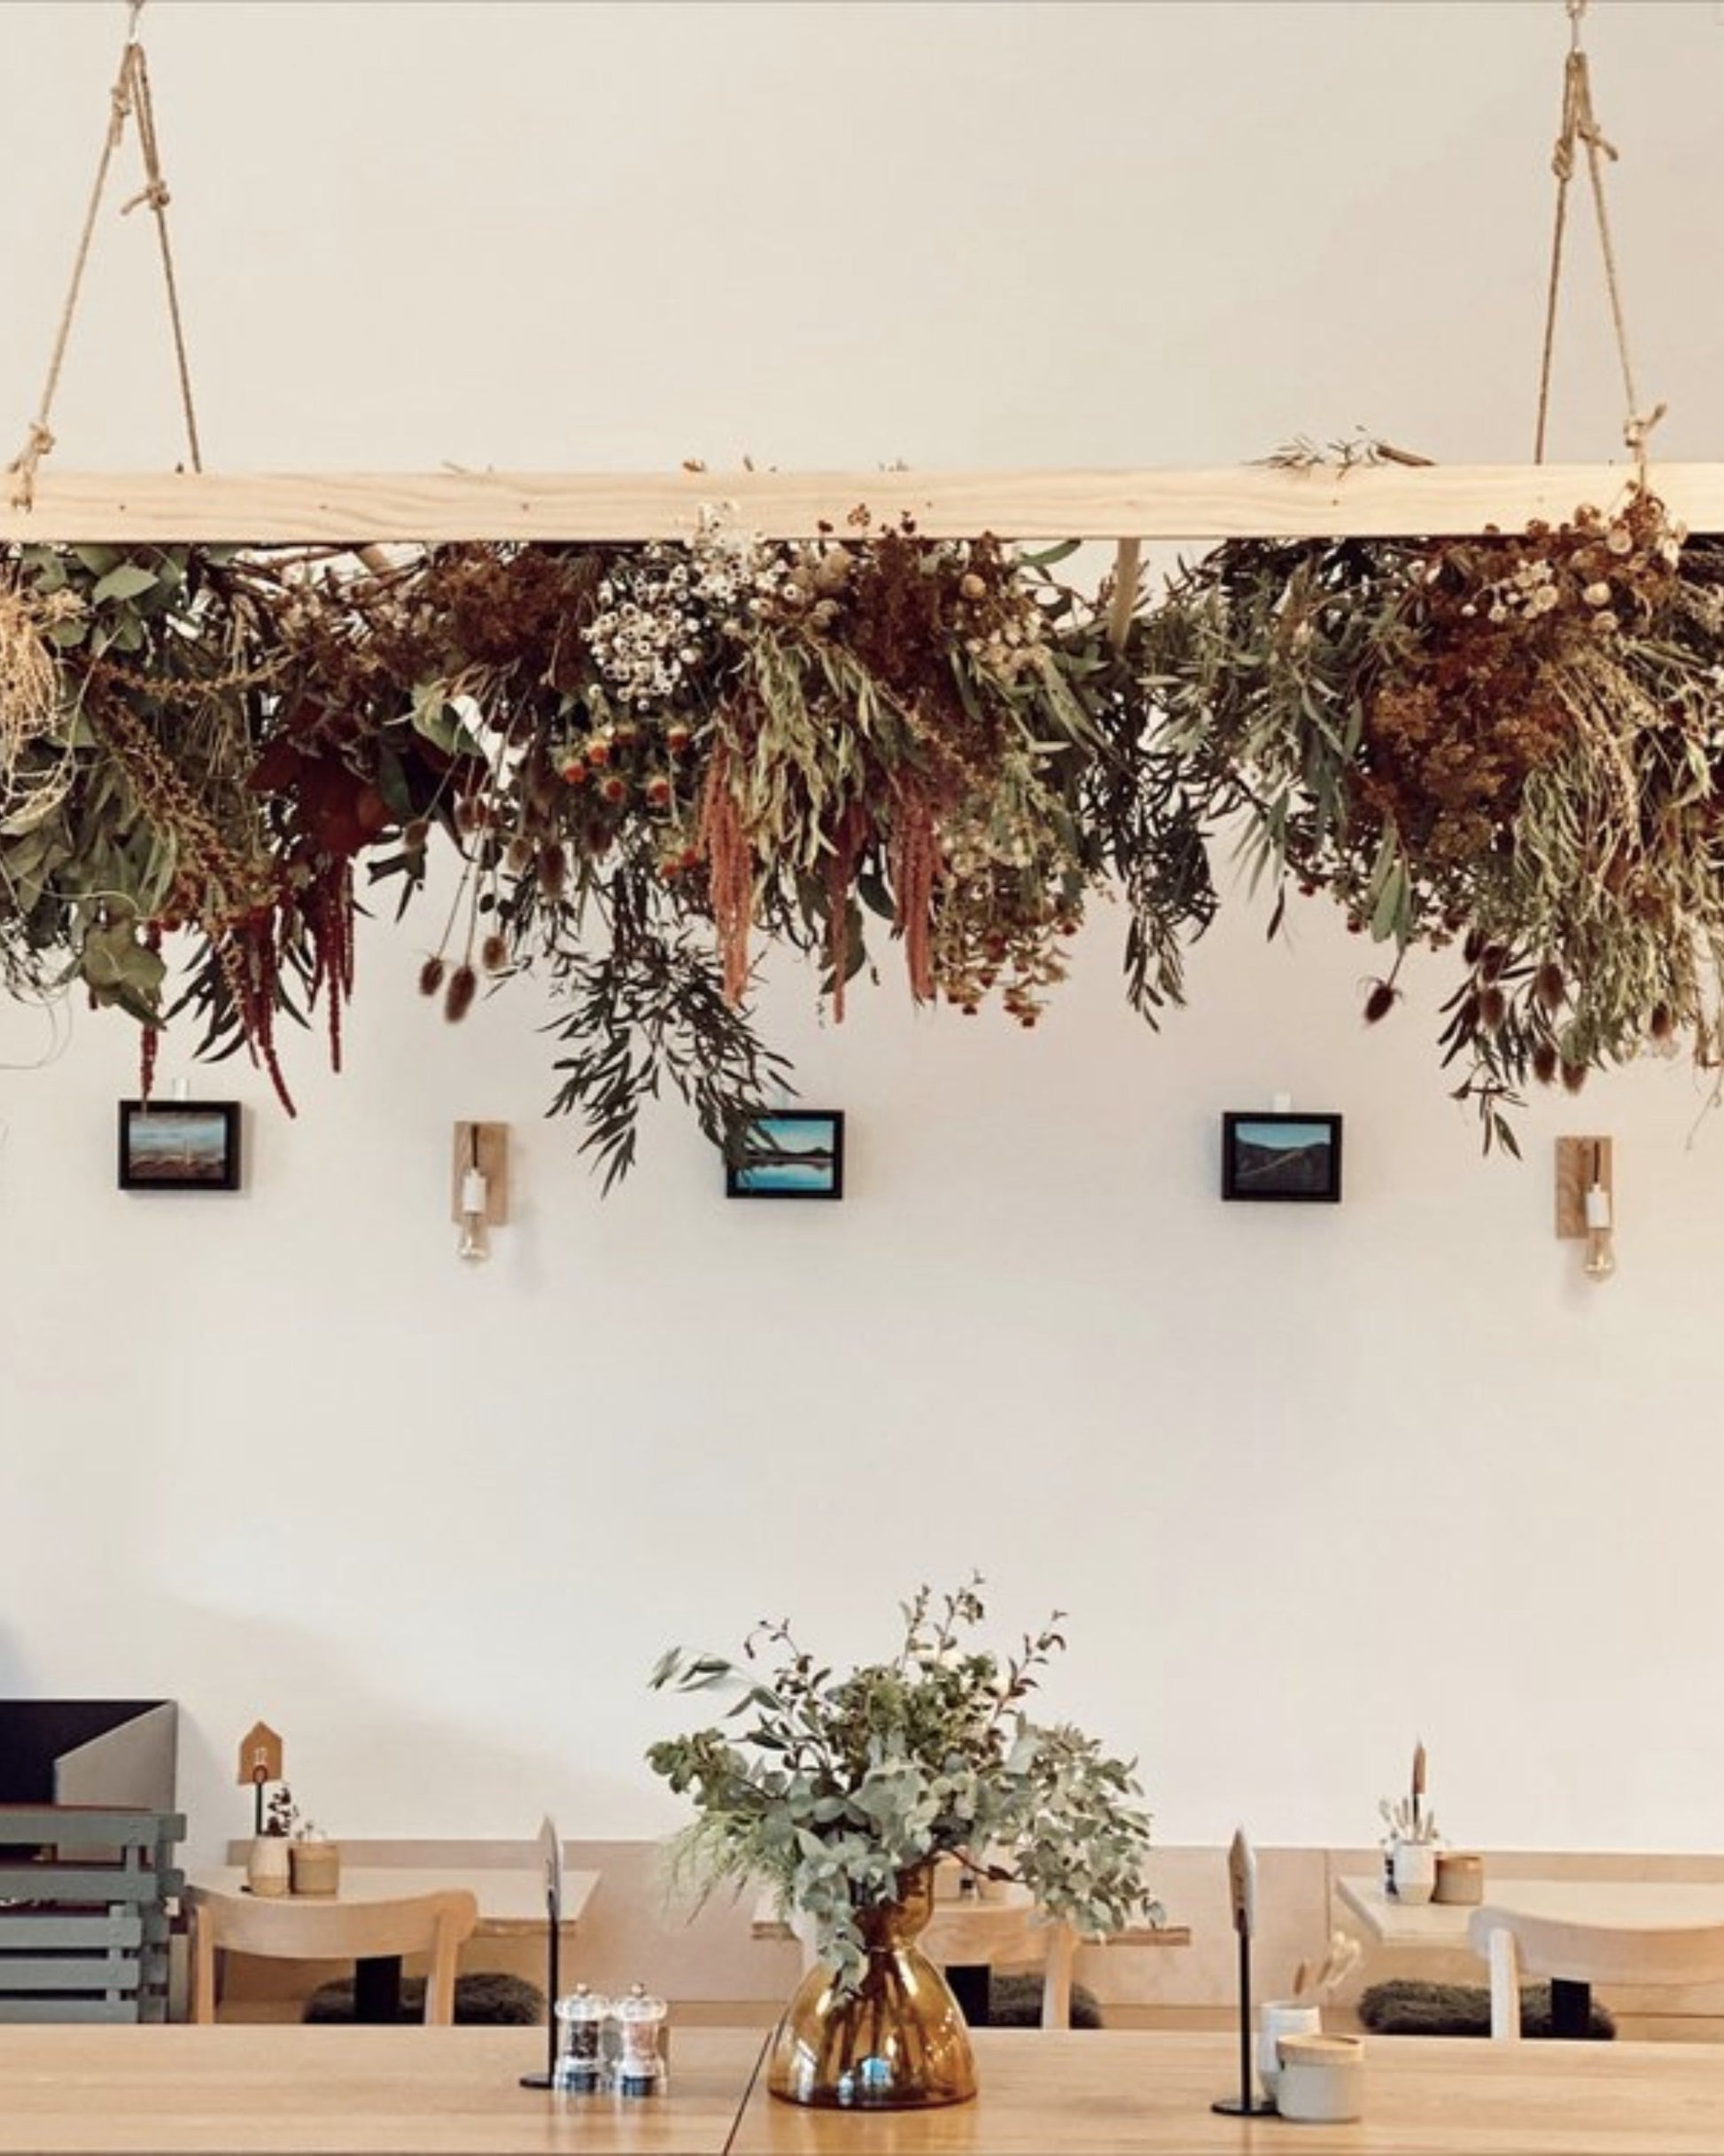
1310,1482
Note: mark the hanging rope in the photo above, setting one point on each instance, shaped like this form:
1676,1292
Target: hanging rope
128,99
1580,129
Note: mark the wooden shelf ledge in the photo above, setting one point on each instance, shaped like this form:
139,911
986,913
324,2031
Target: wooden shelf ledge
1250,501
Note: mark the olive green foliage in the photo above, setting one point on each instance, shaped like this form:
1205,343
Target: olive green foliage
831,1786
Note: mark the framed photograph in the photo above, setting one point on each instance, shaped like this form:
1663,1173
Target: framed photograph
789,1153
179,1145
1296,1159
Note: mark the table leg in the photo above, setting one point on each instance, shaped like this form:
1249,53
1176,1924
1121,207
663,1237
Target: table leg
1571,2007
377,1990
970,1982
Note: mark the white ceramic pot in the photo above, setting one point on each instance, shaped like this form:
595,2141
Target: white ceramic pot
1413,1869
1322,2079
1283,2018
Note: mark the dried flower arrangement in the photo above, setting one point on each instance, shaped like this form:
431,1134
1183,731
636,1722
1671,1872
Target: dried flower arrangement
644,757
1513,743
648,758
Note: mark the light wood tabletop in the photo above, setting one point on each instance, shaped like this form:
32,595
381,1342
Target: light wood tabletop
510,1901
1141,2092
270,2090
1630,1904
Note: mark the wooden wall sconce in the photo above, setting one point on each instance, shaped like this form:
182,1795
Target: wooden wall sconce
1586,1201
479,1191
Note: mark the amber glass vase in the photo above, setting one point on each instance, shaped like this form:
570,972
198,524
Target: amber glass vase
897,2042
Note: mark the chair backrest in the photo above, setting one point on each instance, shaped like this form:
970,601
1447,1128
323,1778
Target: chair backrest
1008,1934
1518,1946
294,1929
84,1920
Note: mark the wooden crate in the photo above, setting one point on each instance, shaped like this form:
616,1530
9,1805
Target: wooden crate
84,1915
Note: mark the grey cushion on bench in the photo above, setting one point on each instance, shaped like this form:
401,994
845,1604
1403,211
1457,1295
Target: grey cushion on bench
1015,2002
487,1996
1403,2007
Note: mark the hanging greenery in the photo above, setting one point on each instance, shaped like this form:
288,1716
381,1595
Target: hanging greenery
1513,744
647,761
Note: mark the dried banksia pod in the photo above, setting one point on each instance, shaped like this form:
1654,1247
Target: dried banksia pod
494,954
1574,1076
1380,1002
1544,1063
1661,1025
1551,986
463,986
1493,1008
518,855
431,977
553,871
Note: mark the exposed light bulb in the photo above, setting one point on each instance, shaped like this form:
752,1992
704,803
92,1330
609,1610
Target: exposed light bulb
1600,1242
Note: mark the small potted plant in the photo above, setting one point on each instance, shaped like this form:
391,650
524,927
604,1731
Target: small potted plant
842,1788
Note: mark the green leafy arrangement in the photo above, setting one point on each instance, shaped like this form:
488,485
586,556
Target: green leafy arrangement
831,1785
649,761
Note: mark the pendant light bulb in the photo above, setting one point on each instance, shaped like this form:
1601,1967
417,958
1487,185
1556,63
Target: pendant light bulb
475,1243
1601,1241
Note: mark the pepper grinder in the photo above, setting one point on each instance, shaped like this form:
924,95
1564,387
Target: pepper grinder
580,2020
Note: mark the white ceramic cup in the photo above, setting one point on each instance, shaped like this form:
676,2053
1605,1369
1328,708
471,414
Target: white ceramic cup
1413,1865
1283,2018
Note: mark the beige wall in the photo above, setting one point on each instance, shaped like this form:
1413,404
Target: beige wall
1310,1482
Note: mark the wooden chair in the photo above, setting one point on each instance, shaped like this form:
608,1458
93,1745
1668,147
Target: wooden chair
1575,1956
297,1930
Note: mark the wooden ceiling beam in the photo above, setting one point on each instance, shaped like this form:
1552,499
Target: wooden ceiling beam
1249,502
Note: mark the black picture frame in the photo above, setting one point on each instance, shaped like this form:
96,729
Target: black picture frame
179,1145
1281,1159
787,1153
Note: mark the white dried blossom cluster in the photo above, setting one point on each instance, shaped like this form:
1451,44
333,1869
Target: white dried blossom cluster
665,613
652,630
1012,643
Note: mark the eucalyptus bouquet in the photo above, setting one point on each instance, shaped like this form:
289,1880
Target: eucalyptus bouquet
832,1787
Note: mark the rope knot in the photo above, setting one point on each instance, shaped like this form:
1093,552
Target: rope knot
155,195
1638,425
38,443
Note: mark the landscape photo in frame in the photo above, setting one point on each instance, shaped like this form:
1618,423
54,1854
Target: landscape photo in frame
787,1153
1290,1159
179,1145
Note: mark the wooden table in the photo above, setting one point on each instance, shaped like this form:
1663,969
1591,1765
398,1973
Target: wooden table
290,2091
1636,1905
1630,1904
511,1904
1141,2092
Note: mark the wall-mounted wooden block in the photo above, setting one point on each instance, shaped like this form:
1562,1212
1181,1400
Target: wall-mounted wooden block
1581,1163
484,1146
